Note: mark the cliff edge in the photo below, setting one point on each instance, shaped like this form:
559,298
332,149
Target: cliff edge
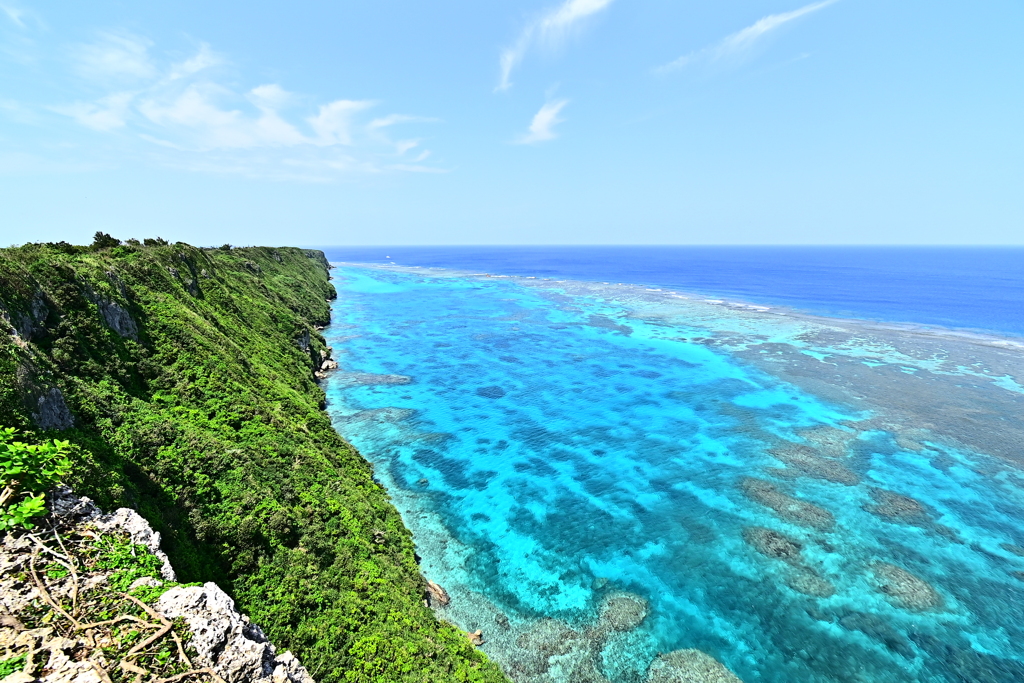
185,379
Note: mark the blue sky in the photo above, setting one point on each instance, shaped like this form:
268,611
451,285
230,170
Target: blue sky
581,121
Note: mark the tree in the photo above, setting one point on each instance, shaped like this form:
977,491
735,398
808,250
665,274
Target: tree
102,240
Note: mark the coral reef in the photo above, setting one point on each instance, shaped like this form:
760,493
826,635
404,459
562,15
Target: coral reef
905,589
689,666
789,508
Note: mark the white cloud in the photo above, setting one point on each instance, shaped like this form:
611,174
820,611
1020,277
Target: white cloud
196,116
541,128
107,113
203,59
550,29
190,118
740,42
397,118
115,57
333,123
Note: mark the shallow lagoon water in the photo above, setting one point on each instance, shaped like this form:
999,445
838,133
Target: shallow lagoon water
803,499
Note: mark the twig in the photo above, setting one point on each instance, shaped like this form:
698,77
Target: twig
129,667
181,650
147,609
101,672
116,620
177,677
74,573
46,594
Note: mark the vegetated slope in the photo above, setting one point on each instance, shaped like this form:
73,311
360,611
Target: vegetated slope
185,376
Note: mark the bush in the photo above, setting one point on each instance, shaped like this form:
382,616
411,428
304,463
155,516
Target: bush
102,240
27,472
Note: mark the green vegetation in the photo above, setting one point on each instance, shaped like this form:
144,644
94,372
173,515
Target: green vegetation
27,472
183,378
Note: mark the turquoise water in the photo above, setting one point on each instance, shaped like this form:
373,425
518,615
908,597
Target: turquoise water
554,445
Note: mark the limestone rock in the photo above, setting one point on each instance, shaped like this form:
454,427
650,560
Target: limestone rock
436,595
117,318
226,640
51,412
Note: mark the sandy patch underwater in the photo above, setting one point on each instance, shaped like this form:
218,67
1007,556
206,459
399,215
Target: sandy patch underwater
598,474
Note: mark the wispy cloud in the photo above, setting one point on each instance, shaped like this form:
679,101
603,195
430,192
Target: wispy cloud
550,29
107,113
189,108
544,121
14,14
739,43
115,57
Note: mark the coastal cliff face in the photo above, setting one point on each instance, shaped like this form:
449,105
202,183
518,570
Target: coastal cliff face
186,379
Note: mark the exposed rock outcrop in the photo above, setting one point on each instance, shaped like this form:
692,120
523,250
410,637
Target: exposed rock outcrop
51,411
117,318
224,640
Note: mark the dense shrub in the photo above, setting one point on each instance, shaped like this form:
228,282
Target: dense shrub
27,472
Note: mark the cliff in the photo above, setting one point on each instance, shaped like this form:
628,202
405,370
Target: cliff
185,379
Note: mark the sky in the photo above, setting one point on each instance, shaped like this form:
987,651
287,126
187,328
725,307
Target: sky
501,122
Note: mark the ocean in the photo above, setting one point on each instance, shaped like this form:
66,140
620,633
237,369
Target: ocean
632,465
979,288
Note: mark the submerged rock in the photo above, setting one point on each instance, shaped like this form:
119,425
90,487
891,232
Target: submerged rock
896,507
490,392
773,544
621,612
1011,548
905,589
879,629
807,581
810,463
369,378
830,441
689,666
549,637
789,508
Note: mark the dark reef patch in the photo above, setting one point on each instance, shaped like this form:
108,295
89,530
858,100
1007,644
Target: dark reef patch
789,508
807,461
905,589
773,544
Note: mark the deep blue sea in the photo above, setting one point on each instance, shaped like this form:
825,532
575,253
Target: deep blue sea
961,287
655,482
